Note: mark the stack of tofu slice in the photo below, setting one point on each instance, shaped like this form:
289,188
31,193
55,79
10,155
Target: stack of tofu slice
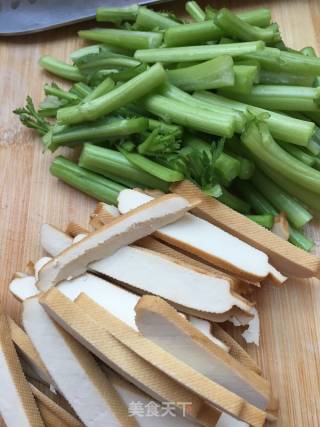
120,321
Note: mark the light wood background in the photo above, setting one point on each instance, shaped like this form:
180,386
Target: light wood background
289,353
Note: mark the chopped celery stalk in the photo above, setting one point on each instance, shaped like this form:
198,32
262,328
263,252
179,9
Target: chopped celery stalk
247,167
234,27
259,17
210,12
262,206
258,140
197,53
123,38
309,51
88,182
191,34
237,117
285,98
298,153
153,168
149,20
81,89
101,131
314,116
212,74
244,78
226,166
284,128
226,40
195,11
256,200
128,74
60,93
313,147
296,63
84,53
251,62
187,115
299,240
113,163
164,128
296,213
117,98
117,14
265,220
61,69
269,58
104,87
112,61
307,196
234,202
268,77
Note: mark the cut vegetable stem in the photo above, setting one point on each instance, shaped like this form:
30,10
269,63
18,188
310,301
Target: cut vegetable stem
265,220
233,26
260,17
226,166
282,127
262,206
195,11
186,115
123,38
113,163
191,34
115,99
113,128
104,87
296,213
212,74
197,53
117,14
268,77
88,182
153,168
276,97
61,69
59,93
149,20
234,202
298,153
239,119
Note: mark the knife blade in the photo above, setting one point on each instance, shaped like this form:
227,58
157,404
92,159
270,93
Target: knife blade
18,17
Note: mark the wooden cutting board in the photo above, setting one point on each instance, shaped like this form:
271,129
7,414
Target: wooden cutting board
289,353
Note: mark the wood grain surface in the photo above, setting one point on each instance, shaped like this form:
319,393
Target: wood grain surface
289,353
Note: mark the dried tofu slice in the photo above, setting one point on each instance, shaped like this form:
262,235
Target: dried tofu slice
216,395
205,240
103,214
51,411
74,371
26,348
124,230
162,324
17,404
123,360
150,272
137,400
284,256
235,348
125,256
59,240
